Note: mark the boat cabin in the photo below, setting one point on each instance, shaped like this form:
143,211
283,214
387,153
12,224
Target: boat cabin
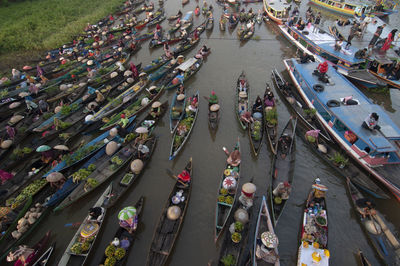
277,10
375,147
347,7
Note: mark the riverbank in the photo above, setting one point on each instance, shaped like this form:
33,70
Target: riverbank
30,27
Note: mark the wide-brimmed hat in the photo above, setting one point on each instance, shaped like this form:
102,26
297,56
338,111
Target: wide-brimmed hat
269,239
143,74
61,147
156,104
180,97
54,177
141,130
214,107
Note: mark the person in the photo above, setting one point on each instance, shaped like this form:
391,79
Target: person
23,256
305,58
266,245
284,142
143,151
130,224
96,214
233,157
371,122
318,194
30,105
4,176
365,207
361,54
197,10
204,50
317,22
246,117
11,132
243,85
213,99
16,74
376,36
167,51
258,106
301,26
99,96
184,176
349,101
312,135
394,72
124,243
181,89
269,99
193,103
155,109
338,44
47,156
322,69
389,40
124,121
353,30
282,190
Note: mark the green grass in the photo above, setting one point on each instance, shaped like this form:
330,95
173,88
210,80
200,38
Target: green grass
39,25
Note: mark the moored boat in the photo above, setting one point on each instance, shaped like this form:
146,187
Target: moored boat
242,99
171,220
177,111
282,171
276,10
314,229
227,192
83,241
271,118
375,150
185,126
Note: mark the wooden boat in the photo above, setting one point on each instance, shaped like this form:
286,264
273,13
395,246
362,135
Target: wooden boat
88,228
39,248
264,224
242,102
299,106
225,201
256,130
382,163
177,112
174,28
156,63
21,210
141,24
276,10
44,259
246,31
174,17
282,170
185,46
348,7
163,70
105,167
233,249
271,123
158,43
315,242
189,68
136,107
210,23
143,8
232,22
222,23
156,20
143,37
184,128
375,229
122,233
363,260
168,230
213,116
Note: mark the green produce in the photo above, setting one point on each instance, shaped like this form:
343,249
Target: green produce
76,248
110,261
119,253
85,246
110,250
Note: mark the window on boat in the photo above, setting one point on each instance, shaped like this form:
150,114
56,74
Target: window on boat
349,7
338,5
340,126
329,57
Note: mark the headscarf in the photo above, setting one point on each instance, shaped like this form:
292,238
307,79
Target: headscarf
10,132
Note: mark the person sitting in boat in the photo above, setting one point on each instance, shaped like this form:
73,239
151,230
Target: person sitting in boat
282,190
258,106
197,10
213,99
48,156
184,176
232,19
269,99
193,103
23,256
246,117
130,224
321,70
266,246
155,109
371,122
233,157
365,207
349,100
143,151
361,54
96,214
124,121
242,85
312,135
43,107
319,192
284,141
305,58
183,34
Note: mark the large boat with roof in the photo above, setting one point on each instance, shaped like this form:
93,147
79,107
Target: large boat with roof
358,7
382,64
277,10
377,150
319,42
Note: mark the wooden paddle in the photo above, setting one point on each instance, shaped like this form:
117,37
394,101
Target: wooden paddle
169,172
73,224
392,239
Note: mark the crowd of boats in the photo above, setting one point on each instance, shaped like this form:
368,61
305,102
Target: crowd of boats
87,88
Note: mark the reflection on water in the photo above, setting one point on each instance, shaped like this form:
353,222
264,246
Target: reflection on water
195,245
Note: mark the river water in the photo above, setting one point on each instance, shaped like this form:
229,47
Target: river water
195,244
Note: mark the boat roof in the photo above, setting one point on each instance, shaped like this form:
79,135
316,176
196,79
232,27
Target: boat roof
187,64
278,5
188,16
352,115
327,41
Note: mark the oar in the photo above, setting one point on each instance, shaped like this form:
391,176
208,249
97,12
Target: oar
392,239
72,224
169,172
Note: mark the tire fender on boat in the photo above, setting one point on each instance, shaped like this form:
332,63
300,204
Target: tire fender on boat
333,103
318,87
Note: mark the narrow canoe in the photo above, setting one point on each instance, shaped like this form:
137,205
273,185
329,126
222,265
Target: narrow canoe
176,113
256,131
189,67
39,248
314,240
242,103
271,125
363,260
224,208
121,234
210,24
213,118
179,138
282,170
373,229
70,258
264,224
44,259
168,230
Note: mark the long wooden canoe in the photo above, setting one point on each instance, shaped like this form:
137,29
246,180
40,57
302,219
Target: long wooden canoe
282,169
242,103
168,230
256,131
189,68
122,233
389,254
189,119
70,258
271,126
177,112
264,224
224,208
44,259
